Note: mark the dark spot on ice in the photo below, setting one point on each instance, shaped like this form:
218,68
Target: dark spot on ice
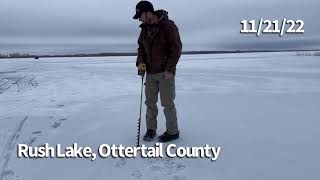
8,173
56,124
178,177
120,162
36,132
31,141
6,72
137,174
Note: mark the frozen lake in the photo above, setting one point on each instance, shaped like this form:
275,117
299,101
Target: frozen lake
262,109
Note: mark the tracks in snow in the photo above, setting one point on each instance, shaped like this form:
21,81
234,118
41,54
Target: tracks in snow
20,82
8,150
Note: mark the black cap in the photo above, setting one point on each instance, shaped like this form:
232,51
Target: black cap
141,7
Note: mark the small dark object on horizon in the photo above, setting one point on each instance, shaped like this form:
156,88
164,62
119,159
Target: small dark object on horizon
36,57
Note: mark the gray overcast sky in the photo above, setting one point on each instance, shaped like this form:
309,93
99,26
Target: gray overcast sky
107,25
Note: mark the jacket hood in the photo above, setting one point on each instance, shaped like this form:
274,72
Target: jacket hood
161,14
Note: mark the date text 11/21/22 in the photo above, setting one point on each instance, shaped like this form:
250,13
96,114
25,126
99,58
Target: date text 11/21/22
272,27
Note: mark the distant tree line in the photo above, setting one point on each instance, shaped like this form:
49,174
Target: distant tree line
315,53
16,55
24,55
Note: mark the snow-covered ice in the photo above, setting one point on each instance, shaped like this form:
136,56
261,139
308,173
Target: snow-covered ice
262,109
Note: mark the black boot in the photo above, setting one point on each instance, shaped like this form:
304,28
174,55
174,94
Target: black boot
165,137
150,134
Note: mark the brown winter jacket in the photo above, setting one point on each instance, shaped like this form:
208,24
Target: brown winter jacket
159,45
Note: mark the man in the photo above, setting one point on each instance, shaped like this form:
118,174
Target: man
159,51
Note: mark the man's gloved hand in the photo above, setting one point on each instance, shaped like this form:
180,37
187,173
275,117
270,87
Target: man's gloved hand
141,69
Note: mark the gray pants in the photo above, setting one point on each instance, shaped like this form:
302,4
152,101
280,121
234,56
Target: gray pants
154,84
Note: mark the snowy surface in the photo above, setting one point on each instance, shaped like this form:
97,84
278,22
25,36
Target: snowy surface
262,109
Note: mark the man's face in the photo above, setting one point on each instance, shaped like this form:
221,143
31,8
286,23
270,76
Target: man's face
145,18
